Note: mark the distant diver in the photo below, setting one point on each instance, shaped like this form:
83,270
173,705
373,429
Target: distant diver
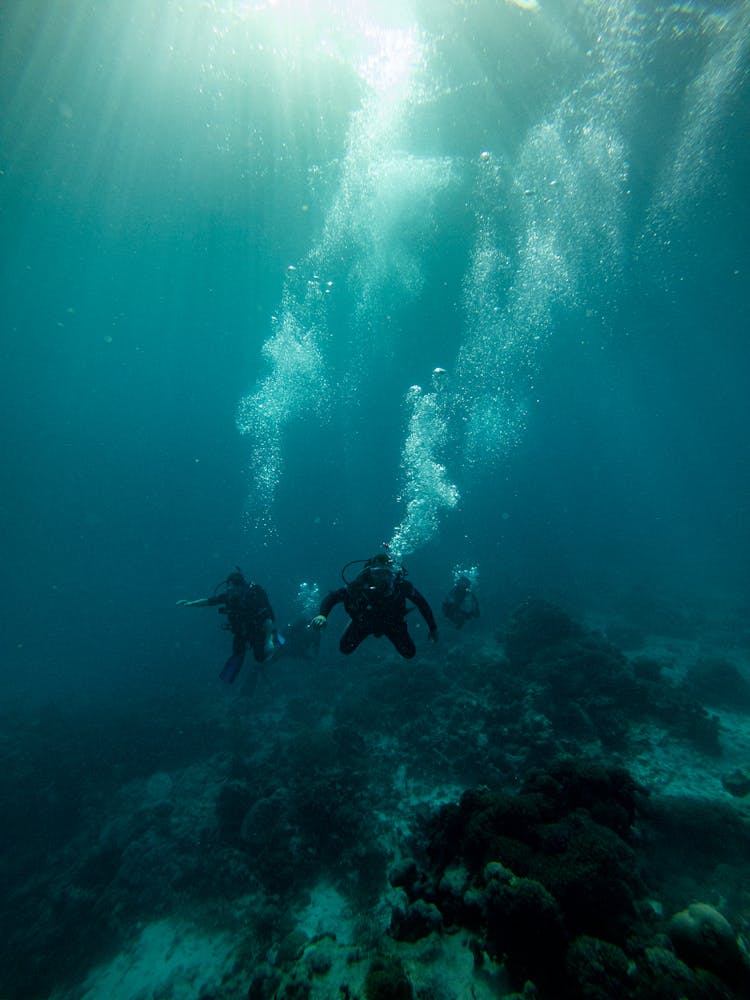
250,619
461,604
301,640
376,603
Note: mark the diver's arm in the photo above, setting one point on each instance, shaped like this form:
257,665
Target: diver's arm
327,605
203,602
412,594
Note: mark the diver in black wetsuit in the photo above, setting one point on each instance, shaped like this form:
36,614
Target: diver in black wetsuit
301,640
250,619
461,604
376,603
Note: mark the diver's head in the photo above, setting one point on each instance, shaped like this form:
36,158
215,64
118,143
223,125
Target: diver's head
235,580
463,583
380,561
380,573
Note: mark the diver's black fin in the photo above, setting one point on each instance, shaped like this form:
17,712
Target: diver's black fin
232,667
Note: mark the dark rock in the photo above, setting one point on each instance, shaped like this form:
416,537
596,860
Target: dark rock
291,947
704,939
592,873
404,874
738,782
597,970
608,793
417,921
715,681
534,626
264,983
318,961
521,914
387,980
647,668
661,975
548,864
294,989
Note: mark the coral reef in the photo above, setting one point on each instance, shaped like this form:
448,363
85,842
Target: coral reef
704,939
519,815
548,864
387,980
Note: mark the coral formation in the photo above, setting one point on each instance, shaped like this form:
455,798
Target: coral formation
704,939
481,814
387,980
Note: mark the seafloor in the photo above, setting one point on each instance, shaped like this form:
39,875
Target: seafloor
550,808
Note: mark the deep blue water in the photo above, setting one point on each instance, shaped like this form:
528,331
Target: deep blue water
283,281
550,202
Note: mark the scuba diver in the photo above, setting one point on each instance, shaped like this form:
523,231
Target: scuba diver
376,603
461,605
301,640
249,618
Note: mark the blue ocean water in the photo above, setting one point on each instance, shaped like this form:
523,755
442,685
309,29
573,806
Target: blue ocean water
240,237
548,203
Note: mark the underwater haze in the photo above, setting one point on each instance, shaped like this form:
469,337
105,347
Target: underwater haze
237,235
286,281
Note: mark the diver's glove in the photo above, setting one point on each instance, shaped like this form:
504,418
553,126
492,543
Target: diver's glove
269,646
183,604
319,621
433,635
